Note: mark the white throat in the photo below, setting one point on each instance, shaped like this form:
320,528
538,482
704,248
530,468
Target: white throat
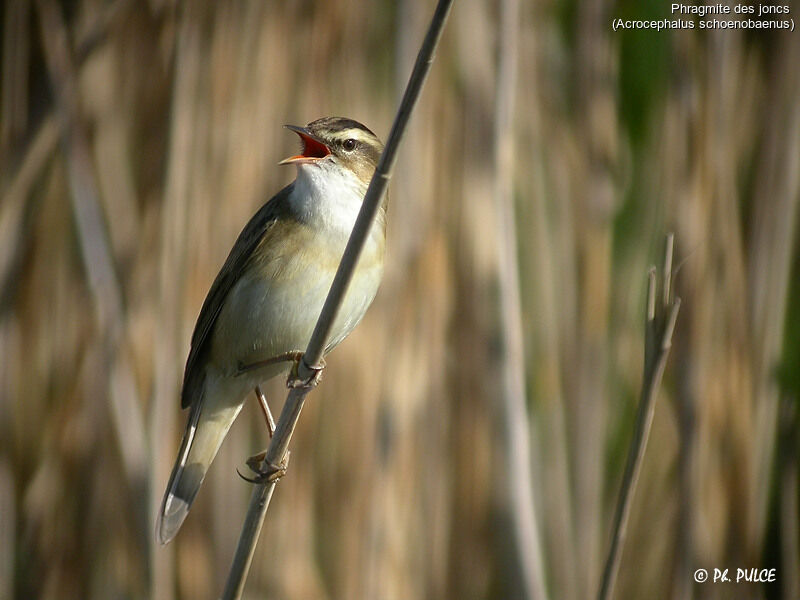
328,195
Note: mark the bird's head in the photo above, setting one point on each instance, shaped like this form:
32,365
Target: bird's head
337,141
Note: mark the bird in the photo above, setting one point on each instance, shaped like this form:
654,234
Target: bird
263,305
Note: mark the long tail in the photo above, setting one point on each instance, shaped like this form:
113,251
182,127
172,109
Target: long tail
204,434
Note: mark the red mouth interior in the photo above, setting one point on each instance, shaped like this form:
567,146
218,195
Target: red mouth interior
312,148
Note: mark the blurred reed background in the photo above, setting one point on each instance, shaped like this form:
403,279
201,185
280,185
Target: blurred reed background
137,138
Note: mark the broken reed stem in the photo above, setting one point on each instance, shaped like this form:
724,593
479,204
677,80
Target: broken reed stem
659,325
262,493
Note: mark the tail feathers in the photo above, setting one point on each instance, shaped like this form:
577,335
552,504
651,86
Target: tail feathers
201,441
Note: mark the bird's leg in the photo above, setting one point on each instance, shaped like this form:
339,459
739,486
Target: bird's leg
295,381
270,472
262,401
292,355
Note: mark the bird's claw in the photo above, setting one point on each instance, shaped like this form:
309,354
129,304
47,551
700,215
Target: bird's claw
295,381
269,473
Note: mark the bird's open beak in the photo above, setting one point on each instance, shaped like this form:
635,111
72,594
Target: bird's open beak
313,148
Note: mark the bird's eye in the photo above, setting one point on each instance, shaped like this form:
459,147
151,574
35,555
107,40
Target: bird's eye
349,145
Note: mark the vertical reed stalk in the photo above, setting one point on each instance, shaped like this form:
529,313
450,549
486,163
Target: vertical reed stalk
517,423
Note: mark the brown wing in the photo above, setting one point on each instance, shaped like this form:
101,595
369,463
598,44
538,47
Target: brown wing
237,260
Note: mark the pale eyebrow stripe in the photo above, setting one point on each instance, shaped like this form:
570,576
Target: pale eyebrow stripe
357,134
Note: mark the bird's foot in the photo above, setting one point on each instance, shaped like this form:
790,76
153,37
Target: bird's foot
269,472
295,381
